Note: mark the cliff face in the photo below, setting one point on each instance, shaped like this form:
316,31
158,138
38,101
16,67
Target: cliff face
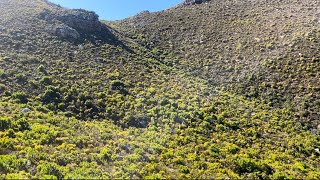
72,23
78,19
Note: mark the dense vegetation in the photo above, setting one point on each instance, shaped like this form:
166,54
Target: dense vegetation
146,98
263,51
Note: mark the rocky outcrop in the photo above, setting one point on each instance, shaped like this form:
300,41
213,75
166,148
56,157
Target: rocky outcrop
72,23
191,2
66,32
82,20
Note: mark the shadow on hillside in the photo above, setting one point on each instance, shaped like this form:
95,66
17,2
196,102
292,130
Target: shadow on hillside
105,36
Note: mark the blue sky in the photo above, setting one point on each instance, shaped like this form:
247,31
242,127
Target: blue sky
118,9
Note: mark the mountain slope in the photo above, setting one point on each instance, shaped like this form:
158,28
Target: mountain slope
86,67
263,50
86,99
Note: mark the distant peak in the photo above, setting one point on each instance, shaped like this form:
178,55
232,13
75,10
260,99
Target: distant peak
192,2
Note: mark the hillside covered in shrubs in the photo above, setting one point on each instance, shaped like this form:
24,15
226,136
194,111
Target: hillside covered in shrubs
204,90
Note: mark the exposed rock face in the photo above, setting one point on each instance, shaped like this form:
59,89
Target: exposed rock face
66,32
72,23
82,20
191,2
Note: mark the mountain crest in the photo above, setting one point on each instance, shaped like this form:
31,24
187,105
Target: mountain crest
192,2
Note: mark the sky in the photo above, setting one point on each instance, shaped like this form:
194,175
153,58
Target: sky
118,9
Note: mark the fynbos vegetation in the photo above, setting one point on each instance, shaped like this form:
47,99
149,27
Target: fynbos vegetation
214,89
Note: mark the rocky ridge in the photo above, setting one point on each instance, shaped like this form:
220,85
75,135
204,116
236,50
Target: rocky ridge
192,2
72,23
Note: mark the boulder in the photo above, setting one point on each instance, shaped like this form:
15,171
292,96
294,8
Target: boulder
25,110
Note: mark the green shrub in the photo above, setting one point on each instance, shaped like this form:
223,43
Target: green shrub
87,170
137,120
42,69
21,124
184,169
46,80
118,85
154,176
10,164
5,123
10,133
21,78
106,152
34,155
279,175
213,150
164,101
247,165
20,97
20,175
2,73
49,168
2,87
51,94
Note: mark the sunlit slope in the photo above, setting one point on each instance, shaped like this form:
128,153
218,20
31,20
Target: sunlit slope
81,98
265,50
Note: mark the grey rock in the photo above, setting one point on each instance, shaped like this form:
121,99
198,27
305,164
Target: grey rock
126,147
25,110
2,29
82,20
77,19
314,131
66,32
